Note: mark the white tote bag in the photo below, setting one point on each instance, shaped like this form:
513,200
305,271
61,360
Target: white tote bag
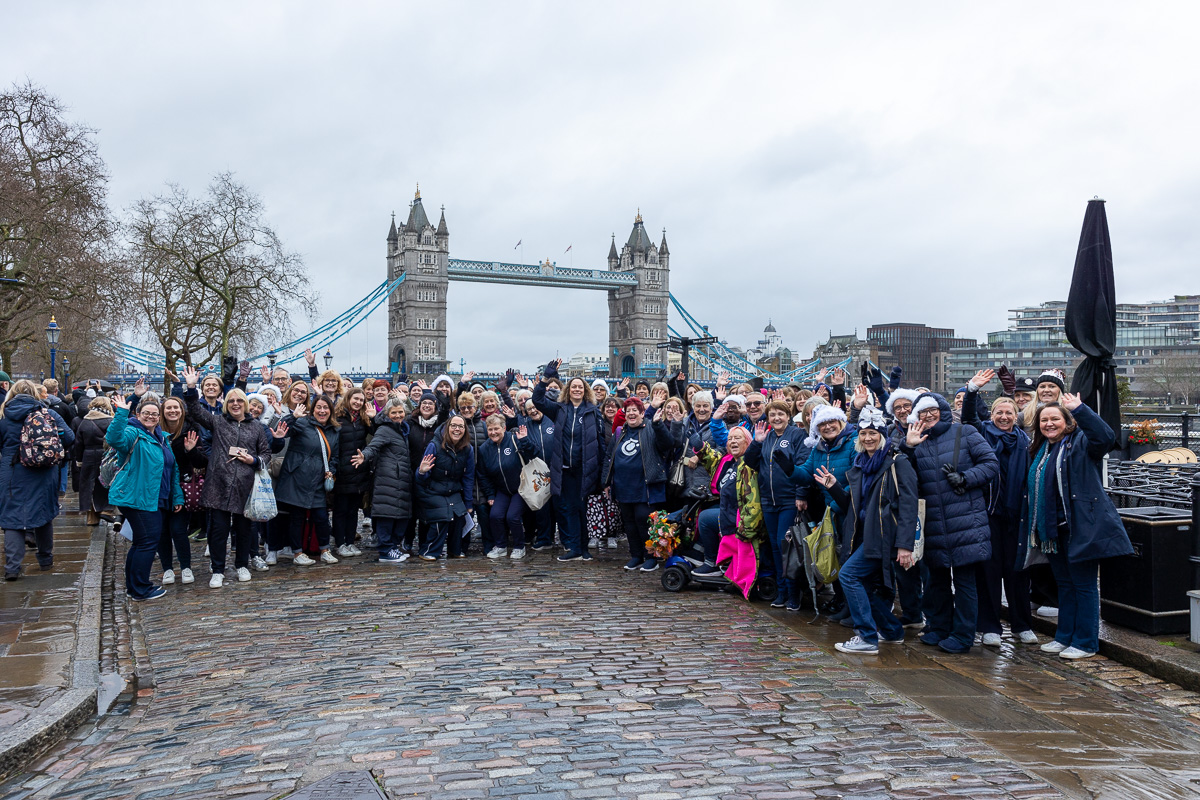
535,482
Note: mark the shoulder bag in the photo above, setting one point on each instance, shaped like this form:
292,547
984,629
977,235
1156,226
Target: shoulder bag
326,451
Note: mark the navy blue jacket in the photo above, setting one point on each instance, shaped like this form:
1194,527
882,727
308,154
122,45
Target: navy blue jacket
577,430
542,435
498,464
28,497
447,491
890,520
956,525
776,485
656,441
1094,527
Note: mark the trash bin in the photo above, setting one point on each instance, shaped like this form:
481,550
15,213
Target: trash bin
1147,591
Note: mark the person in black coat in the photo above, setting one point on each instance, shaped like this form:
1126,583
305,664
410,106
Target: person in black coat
542,431
311,458
423,428
1005,495
635,472
499,461
352,482
392,488
446,489
578,423
89,452
1068,518
879,527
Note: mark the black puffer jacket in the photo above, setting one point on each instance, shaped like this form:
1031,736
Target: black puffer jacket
392,495
352,437
301,482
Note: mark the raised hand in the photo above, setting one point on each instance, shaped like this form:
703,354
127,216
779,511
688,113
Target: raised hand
824,477
916,434
508,411
243,370
1071,401
191,376
522,432
624,384
357,460
658,398
760,431
422,385
822,375
280,430
310,357
171,376
426,464
139,388
982,378
266,374
839,377
860,397
300,411
190,441
119,402
470,374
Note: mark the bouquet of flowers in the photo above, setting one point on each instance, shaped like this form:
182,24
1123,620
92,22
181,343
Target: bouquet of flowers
1144,432
663,535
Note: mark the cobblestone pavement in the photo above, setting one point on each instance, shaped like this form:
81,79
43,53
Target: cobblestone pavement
536,679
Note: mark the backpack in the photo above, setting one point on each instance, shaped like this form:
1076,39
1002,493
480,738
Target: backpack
40,445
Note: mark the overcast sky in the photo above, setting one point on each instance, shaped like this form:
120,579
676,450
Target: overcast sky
828,166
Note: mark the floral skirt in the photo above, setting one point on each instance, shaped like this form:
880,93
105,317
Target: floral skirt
603,517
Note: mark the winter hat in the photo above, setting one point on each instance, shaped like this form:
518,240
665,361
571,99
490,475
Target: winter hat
442,379
872,419
428,395
600,383
267,388
736,398
1025,385
1054,376
477,383
927,401
91,394
822,414
4,378
910,395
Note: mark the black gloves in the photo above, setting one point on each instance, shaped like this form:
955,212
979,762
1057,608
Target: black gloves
875,383
229,366
551,370
696,443
894,378
781,460
865,371
1007,380
957,481
244,371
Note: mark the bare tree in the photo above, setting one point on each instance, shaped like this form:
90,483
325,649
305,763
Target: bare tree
210,275
1176,375
56,234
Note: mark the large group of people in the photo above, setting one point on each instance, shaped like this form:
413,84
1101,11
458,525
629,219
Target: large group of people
988,492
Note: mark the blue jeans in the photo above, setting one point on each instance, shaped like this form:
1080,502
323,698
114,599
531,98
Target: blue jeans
779,521
1078,601
869,600
389,533
710,533
147,532
952,615
174,537
508,510
572,507
64,472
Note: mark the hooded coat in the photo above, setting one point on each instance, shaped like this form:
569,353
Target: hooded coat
28,496
836,456
392,492
956,525
146,457
89,452
301,481
352,437
227,482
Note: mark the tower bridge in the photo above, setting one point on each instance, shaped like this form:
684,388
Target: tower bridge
418,258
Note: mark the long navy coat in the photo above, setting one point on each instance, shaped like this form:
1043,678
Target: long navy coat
956,525
1095,527
587,426
28,497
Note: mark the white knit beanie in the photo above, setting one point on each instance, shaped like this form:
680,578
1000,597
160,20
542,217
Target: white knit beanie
928,401
822,414
910,395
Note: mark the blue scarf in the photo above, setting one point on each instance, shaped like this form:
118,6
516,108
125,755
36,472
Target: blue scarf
871,467
1043,513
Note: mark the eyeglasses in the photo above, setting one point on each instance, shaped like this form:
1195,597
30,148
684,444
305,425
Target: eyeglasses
901,408
753,404
928,412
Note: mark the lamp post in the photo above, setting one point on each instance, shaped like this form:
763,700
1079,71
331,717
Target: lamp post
52,334
271,356
42,376
66,374
328,359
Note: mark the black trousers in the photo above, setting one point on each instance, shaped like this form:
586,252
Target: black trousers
221,524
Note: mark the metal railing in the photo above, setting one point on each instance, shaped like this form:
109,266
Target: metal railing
1132,484
1174,430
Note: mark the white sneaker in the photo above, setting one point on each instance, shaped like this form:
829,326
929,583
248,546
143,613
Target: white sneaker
243,574
328,557
207,553
168,576
259,564
496,552
354,551
343,551
1074,653
517,554
272,558
186,576
303,560
287,553
1053,647
1047,611
1027,637
991,639
216,581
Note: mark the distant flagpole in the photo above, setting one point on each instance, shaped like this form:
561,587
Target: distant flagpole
568,250
518,245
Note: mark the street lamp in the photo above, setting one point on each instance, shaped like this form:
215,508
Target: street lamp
271,356
67,373
52,334
42,374
328,359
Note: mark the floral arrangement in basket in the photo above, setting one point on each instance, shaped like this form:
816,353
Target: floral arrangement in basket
664,536
1144,431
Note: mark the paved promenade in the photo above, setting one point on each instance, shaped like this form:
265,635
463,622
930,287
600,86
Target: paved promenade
479,679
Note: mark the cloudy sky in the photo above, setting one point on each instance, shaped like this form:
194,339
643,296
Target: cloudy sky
823,165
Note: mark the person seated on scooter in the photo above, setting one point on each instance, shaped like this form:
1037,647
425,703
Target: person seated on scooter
880,495
735,483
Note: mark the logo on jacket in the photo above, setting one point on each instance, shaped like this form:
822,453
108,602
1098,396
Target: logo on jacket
783,442
550,429
508,451
630,446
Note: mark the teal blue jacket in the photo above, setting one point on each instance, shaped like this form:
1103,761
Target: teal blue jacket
138,483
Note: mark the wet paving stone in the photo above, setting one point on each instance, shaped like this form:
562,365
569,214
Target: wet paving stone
534,679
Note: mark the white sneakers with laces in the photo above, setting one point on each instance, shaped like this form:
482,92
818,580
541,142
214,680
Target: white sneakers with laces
168,576
243,574
186,576
302,560
216,581
328,557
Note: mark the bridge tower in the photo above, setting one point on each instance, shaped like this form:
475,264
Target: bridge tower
637,315
417,309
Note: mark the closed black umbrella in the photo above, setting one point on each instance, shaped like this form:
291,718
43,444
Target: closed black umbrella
1092,317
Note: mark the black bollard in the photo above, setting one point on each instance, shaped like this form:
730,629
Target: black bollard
1196,530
